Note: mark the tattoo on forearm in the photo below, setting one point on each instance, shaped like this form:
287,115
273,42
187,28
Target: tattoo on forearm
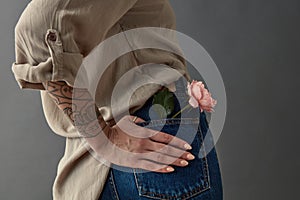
79,106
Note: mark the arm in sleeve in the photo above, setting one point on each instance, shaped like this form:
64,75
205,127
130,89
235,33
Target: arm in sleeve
81,109
51,45
49,49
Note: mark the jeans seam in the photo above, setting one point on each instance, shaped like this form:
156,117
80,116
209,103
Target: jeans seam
205,168
205,157
169,121
113,186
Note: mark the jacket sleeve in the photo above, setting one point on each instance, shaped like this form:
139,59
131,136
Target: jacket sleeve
51,45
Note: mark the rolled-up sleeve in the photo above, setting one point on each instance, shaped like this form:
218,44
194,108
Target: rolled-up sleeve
50,45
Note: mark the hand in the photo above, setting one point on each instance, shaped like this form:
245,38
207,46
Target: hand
138,147
147,149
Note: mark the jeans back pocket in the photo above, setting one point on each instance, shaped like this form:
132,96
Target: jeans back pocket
184,182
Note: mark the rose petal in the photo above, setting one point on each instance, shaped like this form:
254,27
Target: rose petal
193,102
201,110
196,91
200,84
200,96
205,103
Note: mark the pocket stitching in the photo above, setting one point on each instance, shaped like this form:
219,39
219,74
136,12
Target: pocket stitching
113,186
198,189
168,121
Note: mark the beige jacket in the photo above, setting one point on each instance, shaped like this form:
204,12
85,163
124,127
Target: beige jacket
52,38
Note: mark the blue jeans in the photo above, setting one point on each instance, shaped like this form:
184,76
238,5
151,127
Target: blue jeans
200,180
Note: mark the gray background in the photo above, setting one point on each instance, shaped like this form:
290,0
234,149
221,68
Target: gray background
255,45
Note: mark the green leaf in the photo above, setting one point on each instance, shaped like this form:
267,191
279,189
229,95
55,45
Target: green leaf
164,98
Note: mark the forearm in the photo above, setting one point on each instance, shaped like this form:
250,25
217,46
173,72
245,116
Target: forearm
79,106
149,152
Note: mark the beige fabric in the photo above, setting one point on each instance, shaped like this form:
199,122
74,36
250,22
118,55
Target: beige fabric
52,37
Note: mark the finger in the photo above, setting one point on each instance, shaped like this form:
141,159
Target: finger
170,139
165,159
169,150
154,167
164,148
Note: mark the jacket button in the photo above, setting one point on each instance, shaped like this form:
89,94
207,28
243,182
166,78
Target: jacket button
52,37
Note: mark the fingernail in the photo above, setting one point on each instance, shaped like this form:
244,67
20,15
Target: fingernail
187,146
170,169
184,162
190,156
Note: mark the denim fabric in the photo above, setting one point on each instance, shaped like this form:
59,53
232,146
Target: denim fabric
200,180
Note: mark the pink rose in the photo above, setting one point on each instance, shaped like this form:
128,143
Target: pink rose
199,96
